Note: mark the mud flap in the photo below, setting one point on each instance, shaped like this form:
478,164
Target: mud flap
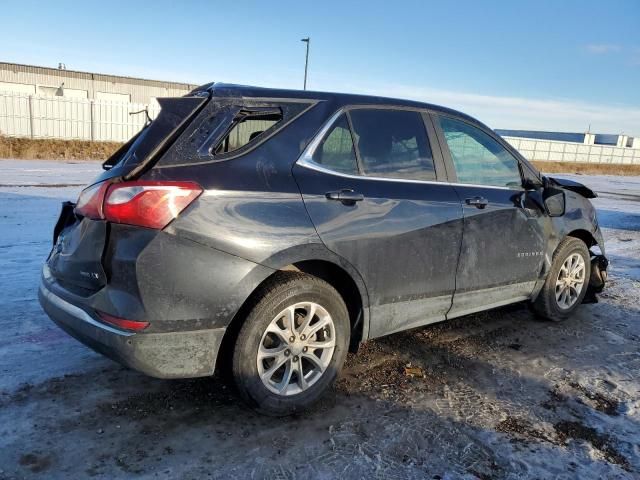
598,278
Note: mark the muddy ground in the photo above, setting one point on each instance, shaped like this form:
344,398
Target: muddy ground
494,395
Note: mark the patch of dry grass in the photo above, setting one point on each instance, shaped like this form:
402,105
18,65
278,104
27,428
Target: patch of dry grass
587,168
49,149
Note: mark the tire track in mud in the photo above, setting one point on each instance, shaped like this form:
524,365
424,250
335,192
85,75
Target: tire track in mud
470,414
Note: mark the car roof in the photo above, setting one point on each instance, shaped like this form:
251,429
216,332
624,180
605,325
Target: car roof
341,99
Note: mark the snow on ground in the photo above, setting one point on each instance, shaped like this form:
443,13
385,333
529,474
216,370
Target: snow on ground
503,394
42,172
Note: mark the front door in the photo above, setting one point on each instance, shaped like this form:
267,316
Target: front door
502,252
370,185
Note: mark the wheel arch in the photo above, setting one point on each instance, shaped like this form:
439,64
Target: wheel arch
545,301
342,281
316,262
583,235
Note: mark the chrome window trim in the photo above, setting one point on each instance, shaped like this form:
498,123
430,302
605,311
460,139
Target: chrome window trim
306,160
307,154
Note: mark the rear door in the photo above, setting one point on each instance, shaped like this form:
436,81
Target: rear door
503,242
371,184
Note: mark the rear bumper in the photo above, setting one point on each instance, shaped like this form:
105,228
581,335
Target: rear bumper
163,355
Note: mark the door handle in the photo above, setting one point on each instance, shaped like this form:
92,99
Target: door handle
478,202
346,196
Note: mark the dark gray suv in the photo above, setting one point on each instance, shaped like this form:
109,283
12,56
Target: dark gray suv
274,230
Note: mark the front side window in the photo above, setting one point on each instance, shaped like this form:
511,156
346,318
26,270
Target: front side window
478,158
393,143
336,151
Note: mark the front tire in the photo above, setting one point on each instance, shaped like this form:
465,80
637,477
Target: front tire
567,282
292,344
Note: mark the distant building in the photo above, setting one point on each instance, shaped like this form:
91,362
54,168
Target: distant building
599,138
59,82
587,138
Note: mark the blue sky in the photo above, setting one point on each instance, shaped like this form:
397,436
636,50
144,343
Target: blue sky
549,65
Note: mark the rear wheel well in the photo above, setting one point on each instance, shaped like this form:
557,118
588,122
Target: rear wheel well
331,273
339,279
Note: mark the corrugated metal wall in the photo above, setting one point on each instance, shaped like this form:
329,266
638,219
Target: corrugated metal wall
554,151
81,119
70,118
139,90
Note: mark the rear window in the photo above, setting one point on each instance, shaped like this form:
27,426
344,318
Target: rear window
173,114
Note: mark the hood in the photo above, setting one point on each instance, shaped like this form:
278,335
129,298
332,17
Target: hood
574,187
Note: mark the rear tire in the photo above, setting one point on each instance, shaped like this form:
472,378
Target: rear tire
567,282
279,370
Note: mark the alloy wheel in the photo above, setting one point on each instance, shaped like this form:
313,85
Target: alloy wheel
570,281
296,348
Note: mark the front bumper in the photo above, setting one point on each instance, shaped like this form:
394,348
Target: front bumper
163,355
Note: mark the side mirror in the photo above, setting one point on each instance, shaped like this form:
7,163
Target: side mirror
529,184
554,201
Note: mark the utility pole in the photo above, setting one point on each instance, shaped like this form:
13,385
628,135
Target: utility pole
306,40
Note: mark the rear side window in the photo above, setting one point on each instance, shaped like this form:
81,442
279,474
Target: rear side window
336,151
478,158
228,127
393,143
247,127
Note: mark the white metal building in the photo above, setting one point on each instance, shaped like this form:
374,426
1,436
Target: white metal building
59,82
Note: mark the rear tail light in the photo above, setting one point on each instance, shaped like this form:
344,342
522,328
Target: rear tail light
140,203
134,325
90,201
148,204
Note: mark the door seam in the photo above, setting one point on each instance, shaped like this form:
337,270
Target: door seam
364,284
455,277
